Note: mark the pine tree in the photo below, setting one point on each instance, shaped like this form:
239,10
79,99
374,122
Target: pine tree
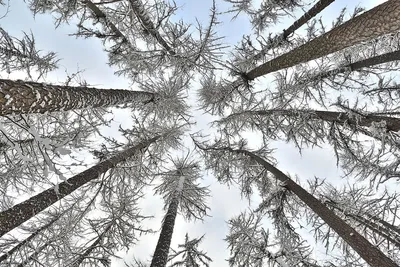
362,246
181,191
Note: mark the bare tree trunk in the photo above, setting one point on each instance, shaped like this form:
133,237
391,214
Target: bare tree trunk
381,230
160,256
11,218
362,246
315,10
94,245
34,255
18,97
30,237
369,62
140,12
376,22
392,123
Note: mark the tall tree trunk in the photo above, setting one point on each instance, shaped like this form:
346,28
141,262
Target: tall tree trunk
365,63
11,218
140,11
34,255
370,224
315,10
376,22
160,256
30,237
365,249
94,245
100,15
18,97
392,123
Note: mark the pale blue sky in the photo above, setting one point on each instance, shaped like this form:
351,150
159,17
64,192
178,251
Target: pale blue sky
88,54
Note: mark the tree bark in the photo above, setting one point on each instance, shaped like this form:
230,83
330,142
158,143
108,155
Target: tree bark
369,224
315,10
369,62
160,256
392,123
29,238
18,97
365,249
376,22
11,218
144,18
94,245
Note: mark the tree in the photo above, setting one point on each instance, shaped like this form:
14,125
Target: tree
181,191
364,248
36,204
191,256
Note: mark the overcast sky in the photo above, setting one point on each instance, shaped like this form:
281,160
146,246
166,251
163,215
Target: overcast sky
88,54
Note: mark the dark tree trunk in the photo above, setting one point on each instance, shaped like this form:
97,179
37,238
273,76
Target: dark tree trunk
362,246
376,22
315,10
30,237
160,256
142,15
365,63
11,218
94,245
381,230
18,97
392,123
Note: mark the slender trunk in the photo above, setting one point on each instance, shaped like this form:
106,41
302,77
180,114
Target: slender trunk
392,123
34,255
30,237
369,62
315,10
100,15
368,223
362,246
18,97
11,218
94,245
376,22
144,18
160,256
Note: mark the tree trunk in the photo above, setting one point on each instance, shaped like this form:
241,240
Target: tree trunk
144,18
30,237
392,123
315,10
34,255
365,63
94,245
381,20
18,97
160,256
11,218
365,249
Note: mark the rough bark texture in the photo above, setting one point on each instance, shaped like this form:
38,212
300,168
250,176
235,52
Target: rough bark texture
11,218
94,245
160,256
362,246
18,97
381,20
369,62
315,10
148,25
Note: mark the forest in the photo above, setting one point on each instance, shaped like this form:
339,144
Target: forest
162,133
